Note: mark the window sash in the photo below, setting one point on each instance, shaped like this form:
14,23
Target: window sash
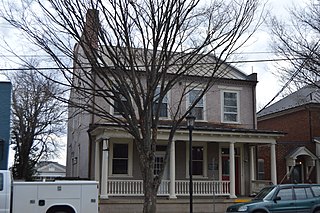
120,159
163,105
230,106
118,106
198,109
197,160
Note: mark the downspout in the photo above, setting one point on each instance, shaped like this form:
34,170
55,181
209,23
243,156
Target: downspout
310,124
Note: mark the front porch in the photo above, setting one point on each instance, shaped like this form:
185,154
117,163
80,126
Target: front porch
200,188
225,163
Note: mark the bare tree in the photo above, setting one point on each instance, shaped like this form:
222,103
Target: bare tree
38,121
129,54
297,41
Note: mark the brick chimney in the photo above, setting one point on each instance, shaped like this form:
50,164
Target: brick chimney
91,29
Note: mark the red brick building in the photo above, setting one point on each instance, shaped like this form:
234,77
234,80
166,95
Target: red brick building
297,153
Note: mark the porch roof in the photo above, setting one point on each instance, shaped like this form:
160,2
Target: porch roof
203,133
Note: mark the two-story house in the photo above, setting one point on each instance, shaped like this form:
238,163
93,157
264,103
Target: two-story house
298,151
225,138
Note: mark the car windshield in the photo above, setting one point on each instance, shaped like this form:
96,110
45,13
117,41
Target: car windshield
264,193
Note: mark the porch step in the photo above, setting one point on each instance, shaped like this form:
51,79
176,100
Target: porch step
165,205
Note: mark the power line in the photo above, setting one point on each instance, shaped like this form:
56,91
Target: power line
231,62
41,55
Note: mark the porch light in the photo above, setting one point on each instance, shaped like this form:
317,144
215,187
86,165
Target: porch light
190,121
190,124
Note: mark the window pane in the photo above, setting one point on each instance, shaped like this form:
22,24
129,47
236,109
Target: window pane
260,169
198,113
120,150
230,107
285,194
309,193
118,107
193,95
163,105
197,160
163,110
197,168
120,166
158,162
120,159
197,153
230,117
300,193
316,190
225,167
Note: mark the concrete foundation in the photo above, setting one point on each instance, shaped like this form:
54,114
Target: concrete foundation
164,205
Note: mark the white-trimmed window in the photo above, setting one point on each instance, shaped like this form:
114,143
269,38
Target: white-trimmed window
260,169
199,160
159,159
230,107
198,109
163,113
121,158
118,106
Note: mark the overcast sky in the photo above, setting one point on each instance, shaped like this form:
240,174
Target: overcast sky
256,49
268,85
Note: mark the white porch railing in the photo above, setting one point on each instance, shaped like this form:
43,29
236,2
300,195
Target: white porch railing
200,188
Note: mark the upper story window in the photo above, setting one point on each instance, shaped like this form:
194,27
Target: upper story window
198,109
163,113
118,106
230,107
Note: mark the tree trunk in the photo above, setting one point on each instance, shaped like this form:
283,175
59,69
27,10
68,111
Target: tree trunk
150,200
150,189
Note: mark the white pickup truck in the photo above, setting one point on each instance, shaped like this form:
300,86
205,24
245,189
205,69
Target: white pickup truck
47,197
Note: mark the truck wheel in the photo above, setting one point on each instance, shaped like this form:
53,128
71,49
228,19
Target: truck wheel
60,209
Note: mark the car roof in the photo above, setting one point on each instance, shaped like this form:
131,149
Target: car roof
297,185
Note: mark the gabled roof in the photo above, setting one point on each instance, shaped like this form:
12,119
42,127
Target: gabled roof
50,166
301,151
306,95
202,65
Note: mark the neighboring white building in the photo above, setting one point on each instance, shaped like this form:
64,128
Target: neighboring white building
49,170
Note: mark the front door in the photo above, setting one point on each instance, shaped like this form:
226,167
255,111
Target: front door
226,171
158,163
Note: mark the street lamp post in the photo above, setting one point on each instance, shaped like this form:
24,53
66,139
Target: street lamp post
190,124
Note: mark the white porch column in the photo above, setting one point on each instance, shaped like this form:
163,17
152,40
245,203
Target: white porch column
172,189
232,171
252,164
104,172
97,161
273,164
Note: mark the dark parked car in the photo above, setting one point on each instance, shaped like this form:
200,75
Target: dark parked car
293,198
